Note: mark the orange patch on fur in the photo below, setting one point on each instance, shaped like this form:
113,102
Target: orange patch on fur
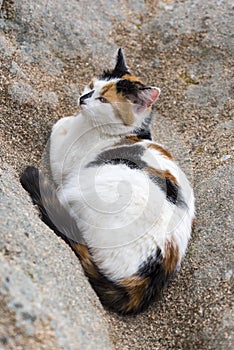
162,173
110,93
171,258
169,175
62,131
107,87
86,260
159,148
133,138
121,104
131,78
136,287
91,85
128,140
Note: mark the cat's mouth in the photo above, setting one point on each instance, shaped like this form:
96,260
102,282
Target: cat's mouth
83,105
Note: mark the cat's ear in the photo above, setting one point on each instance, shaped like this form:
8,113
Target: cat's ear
119,70
145,97
120,67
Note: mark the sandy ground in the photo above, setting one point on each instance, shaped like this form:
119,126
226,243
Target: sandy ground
195,118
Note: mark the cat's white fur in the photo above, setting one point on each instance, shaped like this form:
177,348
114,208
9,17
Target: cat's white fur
122,214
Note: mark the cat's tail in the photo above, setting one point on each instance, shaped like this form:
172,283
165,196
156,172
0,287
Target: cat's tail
52,212
126,296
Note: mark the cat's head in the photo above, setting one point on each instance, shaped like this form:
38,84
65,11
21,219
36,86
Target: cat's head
118,101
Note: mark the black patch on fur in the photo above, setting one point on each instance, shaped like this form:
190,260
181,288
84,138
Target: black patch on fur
84,97
153,269
52,213
119,70
174,194
132,90
127,87
144,132
152,265
172,190
128,155
131,157
113,296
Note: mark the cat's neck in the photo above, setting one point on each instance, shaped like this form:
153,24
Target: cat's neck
103,132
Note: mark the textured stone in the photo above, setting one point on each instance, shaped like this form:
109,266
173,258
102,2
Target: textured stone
215,21
50,99
50,31
23,93
213,243
6,49
185,48
16,70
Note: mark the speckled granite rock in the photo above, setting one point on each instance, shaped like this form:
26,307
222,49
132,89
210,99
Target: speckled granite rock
49,31
49,50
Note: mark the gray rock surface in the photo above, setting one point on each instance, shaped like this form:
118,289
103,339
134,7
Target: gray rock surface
212,249
211,82
49,50
48,31
23,93
46,302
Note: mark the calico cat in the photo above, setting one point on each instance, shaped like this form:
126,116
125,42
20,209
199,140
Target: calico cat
117,197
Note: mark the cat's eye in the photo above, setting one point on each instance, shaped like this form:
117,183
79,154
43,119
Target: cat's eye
102,99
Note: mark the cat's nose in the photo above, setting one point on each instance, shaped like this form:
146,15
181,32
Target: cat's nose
82,101
84,97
